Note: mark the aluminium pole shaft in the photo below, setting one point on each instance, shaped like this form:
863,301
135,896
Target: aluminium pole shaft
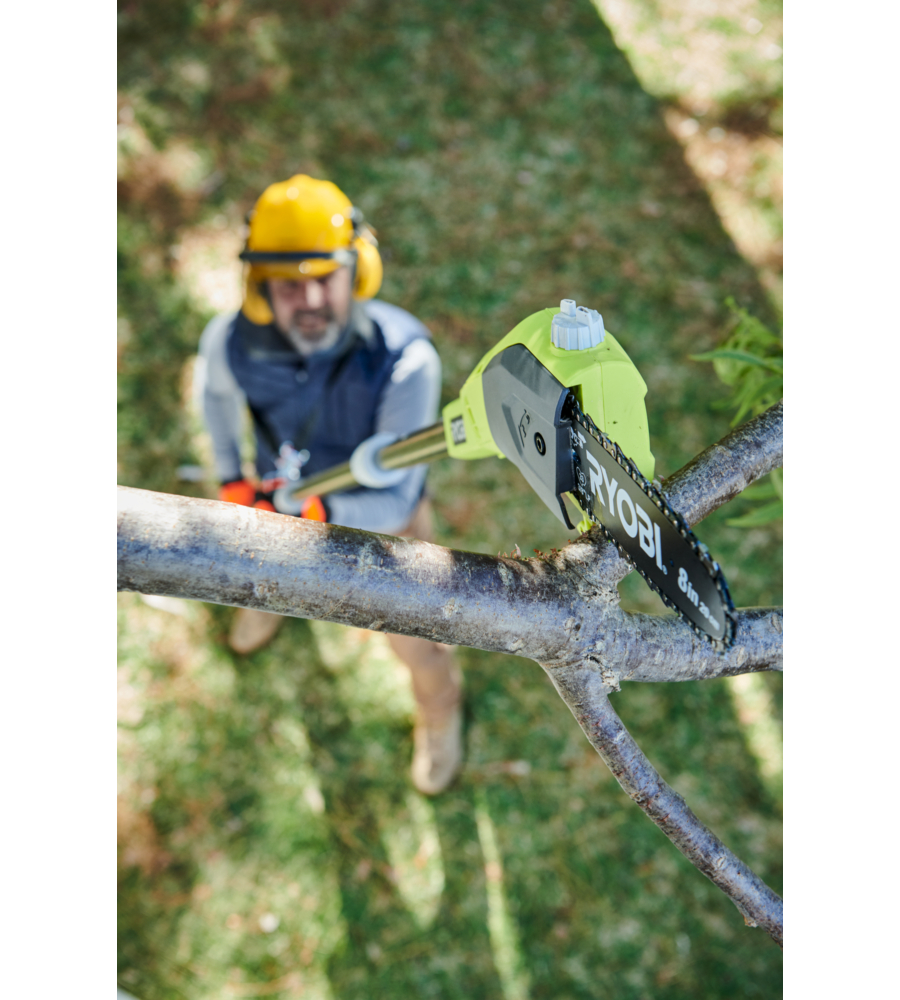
423,446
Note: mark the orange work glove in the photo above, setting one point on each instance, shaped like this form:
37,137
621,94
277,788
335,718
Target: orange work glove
313,509
238,491
264,504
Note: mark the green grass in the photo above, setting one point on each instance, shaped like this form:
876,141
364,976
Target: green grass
508,157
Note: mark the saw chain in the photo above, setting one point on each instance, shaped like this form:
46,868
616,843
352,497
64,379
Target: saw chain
659,546
540,399
536,398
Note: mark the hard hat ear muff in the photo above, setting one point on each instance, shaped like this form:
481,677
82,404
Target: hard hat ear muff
369,270
303,228
256,306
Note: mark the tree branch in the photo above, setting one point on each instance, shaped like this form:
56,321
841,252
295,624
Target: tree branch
654,648
560,610
210,551
724,470
582,689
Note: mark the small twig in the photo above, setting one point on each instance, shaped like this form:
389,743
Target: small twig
726,469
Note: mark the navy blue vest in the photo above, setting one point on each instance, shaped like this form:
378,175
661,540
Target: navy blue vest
326,402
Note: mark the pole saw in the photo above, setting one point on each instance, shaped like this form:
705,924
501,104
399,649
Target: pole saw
560,398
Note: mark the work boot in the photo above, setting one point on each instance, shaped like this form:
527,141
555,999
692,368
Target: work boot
437,756
252,629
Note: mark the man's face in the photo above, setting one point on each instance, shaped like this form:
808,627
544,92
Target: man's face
312,312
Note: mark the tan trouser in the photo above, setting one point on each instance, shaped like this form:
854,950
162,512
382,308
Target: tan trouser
436,677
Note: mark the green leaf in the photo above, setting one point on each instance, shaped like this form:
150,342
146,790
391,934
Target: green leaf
754,398
773,364
762,515
777,480
744,361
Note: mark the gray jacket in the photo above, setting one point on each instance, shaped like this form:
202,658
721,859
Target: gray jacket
383,376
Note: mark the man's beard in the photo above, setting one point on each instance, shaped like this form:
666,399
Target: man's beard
314,338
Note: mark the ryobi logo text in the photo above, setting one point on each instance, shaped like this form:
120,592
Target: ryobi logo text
634,519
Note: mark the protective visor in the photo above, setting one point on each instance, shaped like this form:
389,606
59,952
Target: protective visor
297,264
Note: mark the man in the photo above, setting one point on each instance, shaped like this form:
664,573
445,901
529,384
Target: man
323,366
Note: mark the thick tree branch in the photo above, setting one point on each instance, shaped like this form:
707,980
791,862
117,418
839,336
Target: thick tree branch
561,611
210,551
583,691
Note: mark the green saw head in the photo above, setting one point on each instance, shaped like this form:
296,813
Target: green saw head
511,404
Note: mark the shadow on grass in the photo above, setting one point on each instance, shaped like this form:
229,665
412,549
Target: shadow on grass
281,790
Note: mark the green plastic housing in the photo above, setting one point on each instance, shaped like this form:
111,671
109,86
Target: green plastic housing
604,379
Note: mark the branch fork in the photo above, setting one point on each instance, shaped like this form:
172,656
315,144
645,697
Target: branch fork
561,610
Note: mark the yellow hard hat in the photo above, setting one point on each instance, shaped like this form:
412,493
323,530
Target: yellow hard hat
306,228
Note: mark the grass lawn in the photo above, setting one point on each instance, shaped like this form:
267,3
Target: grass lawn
509,155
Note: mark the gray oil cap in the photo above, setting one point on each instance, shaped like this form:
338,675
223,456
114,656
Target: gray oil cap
575,328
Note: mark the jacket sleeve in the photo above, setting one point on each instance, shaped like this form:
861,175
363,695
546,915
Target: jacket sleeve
409,402
220,398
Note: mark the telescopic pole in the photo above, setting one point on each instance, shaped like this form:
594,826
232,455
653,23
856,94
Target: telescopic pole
423,446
